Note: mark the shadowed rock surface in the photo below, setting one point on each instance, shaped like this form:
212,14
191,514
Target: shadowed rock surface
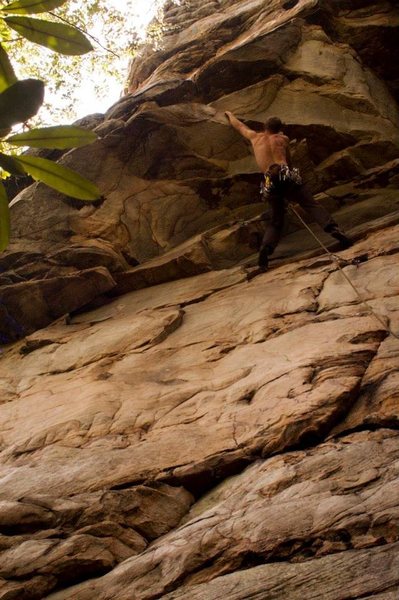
173,425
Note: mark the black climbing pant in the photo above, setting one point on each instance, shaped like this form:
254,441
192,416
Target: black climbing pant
290,193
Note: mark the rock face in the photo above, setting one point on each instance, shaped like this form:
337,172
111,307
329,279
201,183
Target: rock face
172,426
178,181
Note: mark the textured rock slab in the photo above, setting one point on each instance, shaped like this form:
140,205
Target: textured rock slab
360,159
25,307
99,404
55,541
373,279
191,259
353,573
377,405
92,254
330,86
131,416
218,249
190,290
372,29
186,52
303,504
56,353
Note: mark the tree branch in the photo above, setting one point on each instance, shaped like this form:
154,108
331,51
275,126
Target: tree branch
84,32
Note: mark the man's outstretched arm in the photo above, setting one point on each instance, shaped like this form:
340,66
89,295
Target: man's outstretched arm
241,128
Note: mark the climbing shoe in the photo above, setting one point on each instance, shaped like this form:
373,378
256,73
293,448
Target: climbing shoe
344,241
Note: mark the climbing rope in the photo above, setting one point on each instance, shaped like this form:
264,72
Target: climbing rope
339,261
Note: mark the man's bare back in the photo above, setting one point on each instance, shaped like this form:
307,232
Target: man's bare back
269,148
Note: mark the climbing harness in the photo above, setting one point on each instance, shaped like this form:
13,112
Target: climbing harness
278,177
342,262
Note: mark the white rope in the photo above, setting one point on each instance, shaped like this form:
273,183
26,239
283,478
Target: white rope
338,261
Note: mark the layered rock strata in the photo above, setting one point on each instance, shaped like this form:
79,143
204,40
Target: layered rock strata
201,408
171,424
180,186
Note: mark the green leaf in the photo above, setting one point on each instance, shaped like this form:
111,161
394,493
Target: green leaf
60,178
20,102
5,33
58,37
9,164
61,137
7,75
28,7
4,219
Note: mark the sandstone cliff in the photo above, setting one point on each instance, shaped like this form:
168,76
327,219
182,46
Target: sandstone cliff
171,426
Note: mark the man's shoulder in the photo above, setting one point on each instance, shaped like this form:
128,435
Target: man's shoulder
281,138
259,136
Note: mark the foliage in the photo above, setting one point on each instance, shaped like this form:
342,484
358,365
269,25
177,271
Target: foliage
115,26
21,99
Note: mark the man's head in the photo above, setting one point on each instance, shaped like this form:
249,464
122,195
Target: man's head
273,125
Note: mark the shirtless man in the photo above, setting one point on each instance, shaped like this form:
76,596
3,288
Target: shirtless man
282,182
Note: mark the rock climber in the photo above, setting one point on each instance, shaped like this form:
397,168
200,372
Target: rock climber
282,182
